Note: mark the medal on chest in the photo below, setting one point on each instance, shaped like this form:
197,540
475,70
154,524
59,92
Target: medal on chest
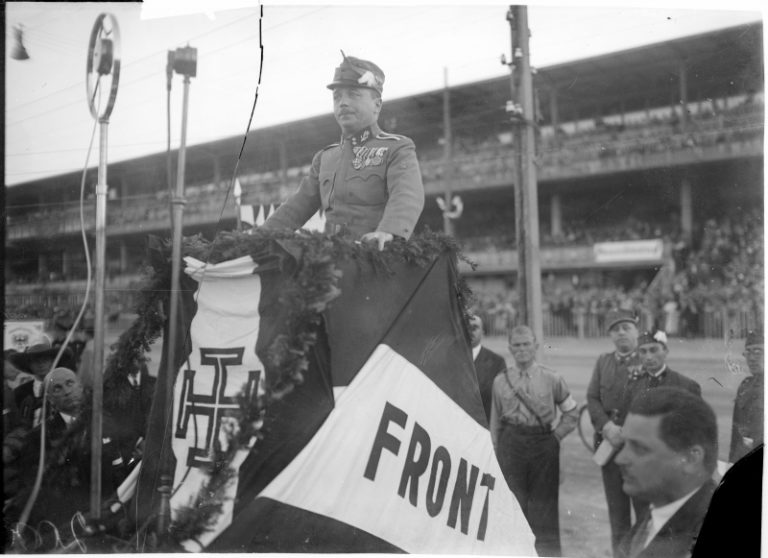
368,156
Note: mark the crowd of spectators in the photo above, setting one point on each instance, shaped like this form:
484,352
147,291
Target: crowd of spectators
721,276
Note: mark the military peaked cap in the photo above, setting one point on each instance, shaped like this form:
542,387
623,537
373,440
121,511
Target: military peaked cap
355,72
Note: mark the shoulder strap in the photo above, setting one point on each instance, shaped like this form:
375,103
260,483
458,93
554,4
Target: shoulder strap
518,392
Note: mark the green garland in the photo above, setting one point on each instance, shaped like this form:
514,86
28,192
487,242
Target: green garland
306,293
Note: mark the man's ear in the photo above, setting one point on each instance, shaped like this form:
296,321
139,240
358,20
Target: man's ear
693,458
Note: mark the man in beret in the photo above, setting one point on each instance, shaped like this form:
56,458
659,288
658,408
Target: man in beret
369,184
747,430
607,403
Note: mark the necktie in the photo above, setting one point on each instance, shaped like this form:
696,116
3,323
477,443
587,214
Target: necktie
134,380
641,535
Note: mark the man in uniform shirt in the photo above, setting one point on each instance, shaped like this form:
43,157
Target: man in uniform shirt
368,185
747,431
487,363
607,400
526,435
668,458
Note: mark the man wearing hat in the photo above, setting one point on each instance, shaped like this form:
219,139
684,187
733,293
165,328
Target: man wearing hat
36,359
653,351
747,430
369,184
607,403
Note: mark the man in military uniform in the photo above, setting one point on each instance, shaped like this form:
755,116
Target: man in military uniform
652,350
747,431
368,185
487,363
607,400
526,435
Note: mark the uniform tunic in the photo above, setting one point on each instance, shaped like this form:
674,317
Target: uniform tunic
369,182
747,430
608,399
527,437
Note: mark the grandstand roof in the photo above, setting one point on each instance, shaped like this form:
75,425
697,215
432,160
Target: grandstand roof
723,62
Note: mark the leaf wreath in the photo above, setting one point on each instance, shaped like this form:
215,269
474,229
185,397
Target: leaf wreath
311,283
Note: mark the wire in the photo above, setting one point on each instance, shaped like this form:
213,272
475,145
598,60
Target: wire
43,412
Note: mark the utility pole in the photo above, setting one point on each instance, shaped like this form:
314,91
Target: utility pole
521,111
447,155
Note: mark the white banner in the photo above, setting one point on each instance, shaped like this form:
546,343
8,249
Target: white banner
629,251
402,461
222,363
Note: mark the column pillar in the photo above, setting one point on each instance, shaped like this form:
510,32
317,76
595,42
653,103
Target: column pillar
686,209
555,216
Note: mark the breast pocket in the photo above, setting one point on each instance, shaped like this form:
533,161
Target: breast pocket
367,186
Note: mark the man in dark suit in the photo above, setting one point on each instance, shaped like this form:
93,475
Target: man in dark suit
487,363
127,401
668,459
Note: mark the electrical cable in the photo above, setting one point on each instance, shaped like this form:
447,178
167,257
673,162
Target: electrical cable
43,412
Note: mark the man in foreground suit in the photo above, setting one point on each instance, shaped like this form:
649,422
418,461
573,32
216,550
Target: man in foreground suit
668,458
487,363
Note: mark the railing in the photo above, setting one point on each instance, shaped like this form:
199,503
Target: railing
729,136
709,324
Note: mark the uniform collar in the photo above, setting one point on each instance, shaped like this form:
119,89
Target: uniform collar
359,138
528,372
658,373
624,357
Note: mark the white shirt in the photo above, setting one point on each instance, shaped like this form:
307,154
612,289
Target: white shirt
662,514
658,372
476,351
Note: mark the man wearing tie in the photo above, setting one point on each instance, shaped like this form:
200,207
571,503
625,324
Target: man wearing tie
487,363
668,459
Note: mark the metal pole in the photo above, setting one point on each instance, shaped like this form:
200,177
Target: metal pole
98,338
173,330
526,192
447,155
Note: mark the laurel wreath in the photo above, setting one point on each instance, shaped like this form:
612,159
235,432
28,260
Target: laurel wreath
308,260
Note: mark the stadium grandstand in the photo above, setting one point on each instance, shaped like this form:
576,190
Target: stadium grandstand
650,183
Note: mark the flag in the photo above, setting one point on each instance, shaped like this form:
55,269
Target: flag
383,448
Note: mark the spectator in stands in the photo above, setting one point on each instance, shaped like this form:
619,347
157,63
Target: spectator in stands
487,363
668,459
373,191
747,429
526,435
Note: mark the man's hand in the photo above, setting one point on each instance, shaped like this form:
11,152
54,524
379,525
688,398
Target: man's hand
612,433
379,237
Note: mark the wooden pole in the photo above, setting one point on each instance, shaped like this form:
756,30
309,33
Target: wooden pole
526,191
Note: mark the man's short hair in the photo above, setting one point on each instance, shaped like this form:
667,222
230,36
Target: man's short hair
521,330
686,420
